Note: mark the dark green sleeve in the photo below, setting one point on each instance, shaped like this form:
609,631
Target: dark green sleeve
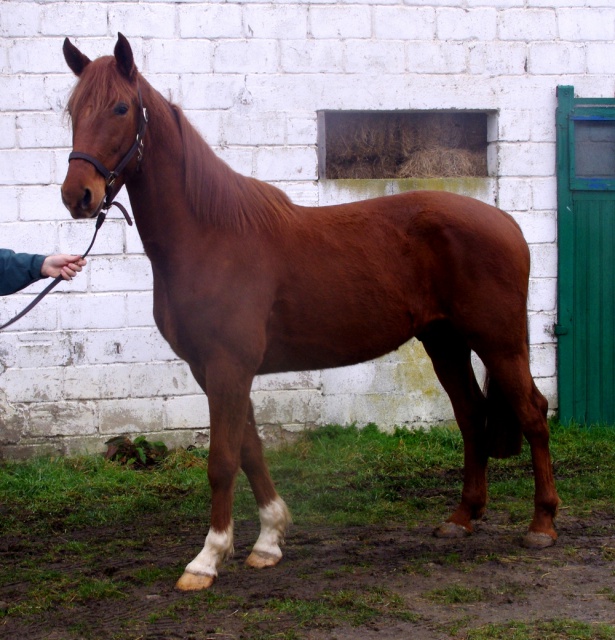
18,270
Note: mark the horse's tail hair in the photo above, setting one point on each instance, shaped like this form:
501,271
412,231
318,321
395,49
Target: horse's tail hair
503,429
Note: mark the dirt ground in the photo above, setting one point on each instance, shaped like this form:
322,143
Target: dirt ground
573,580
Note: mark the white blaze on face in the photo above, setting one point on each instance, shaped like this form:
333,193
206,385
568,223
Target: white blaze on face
274,518
218,547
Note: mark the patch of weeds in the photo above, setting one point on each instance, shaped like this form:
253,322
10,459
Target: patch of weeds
138,454
455,594
550,630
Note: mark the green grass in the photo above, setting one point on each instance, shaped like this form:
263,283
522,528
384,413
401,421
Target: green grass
351,606
552,630
336,475
51,589
455,594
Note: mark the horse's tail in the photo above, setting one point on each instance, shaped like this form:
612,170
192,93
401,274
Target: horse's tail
504,435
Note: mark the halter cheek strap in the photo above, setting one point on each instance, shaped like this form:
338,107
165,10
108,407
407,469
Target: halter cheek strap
111,176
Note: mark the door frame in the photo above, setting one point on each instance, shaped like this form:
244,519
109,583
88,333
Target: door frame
569,111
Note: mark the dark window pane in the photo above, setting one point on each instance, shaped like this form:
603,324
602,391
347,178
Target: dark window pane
594,148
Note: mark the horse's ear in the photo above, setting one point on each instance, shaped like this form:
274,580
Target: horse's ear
124,58
74,58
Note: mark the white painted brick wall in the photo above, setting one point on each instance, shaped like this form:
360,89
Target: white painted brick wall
88,362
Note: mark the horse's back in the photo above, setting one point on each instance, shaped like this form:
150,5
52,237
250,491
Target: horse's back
422,238
363,278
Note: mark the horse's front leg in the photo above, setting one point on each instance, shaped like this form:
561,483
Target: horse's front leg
274,514
228,391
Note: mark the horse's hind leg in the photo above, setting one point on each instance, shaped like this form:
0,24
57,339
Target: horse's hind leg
274,515
451,358
513,375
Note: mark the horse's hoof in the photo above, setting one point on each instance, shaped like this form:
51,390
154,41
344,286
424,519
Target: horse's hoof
451,530
194,582
537,540
262,559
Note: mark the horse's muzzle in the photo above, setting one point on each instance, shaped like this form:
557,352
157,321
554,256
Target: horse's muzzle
83,201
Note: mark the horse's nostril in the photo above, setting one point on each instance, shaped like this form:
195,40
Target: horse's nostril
87,199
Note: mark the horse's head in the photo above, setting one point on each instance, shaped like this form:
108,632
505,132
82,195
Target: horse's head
108,124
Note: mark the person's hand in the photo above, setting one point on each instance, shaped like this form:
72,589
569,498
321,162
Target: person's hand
62,265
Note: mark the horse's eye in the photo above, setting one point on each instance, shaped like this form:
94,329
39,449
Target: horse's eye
121,108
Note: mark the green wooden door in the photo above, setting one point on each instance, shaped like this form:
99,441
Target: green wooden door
586,249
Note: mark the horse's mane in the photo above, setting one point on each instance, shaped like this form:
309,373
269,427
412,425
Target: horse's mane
222,197
216,194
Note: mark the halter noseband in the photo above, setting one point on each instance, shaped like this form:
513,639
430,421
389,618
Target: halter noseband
111,176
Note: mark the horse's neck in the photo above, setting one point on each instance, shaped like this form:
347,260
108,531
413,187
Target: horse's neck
185,192
156,191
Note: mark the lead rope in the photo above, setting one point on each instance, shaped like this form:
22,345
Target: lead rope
99,222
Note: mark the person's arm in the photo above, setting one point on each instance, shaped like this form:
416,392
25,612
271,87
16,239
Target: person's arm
18,270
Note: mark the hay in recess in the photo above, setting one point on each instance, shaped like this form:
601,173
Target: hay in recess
405,145
442,162
358,137
368,168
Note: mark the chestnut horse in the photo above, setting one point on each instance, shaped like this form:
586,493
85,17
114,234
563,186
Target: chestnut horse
248,283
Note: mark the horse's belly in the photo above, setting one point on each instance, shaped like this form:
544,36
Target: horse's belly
325,342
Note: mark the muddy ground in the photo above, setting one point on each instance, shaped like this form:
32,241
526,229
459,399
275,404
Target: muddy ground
406,578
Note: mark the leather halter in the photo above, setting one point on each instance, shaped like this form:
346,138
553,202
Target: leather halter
111,176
